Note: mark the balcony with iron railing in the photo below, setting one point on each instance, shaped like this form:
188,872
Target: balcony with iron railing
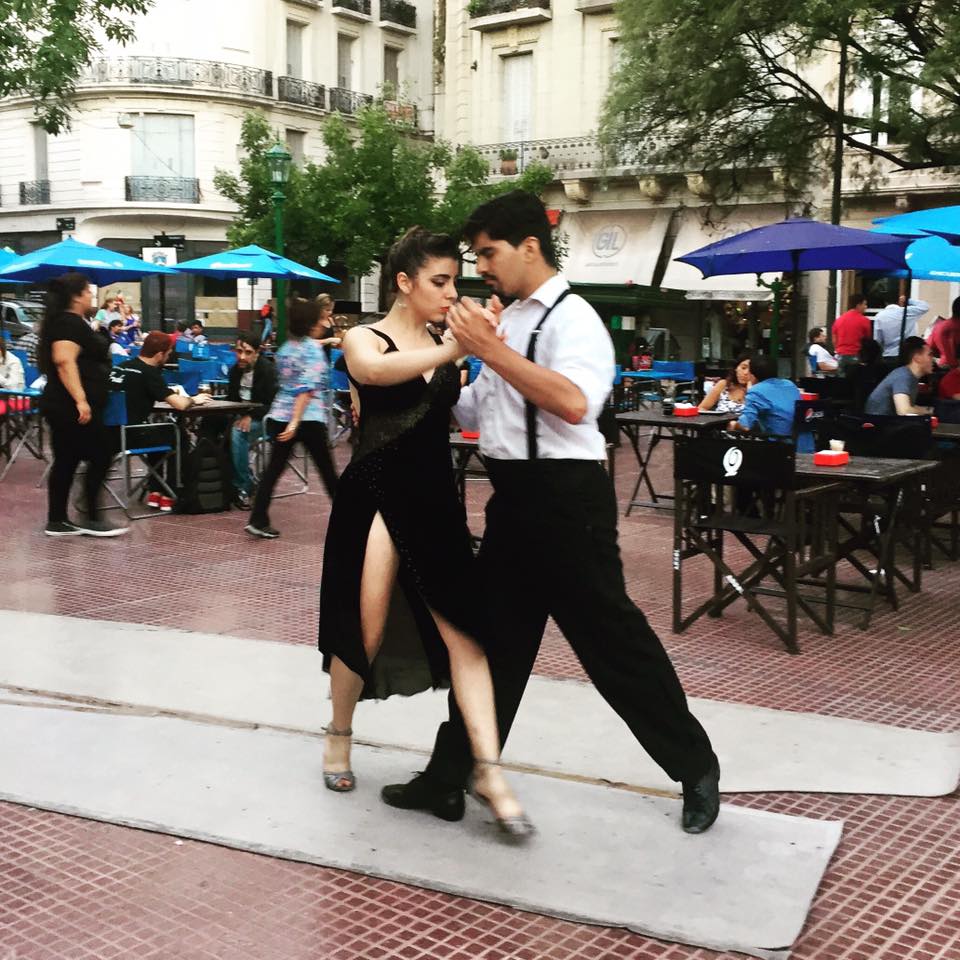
163,189
348,102
352,9
178,72
398,14
486,15
34,192
293,90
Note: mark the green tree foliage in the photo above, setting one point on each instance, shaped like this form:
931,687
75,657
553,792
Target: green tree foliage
730,84
374,183
45,45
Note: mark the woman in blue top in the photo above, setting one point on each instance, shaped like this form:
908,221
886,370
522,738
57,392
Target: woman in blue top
300,411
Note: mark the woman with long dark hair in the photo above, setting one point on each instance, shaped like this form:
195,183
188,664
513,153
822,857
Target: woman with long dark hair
397,607
76,362
300,411
730,394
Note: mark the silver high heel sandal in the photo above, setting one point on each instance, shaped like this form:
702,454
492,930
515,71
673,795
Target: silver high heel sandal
343,781
514,829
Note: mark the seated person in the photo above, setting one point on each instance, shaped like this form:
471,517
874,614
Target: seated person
141,379
944,338
11,369
118,343
195,332
896,394
252,378
771,404
949,387
821,359
730,394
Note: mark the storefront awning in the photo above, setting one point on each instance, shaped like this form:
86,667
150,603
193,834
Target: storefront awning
703,225
619,246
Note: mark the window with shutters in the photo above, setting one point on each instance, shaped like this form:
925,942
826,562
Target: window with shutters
517,97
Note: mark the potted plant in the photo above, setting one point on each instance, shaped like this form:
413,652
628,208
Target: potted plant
508,162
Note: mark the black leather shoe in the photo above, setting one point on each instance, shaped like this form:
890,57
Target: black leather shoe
701,801
422,793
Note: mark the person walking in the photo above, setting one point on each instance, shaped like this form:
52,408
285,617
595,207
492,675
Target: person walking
76,361
550,543
299,413
397,605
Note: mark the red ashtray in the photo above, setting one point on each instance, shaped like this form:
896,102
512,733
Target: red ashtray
831,458
685,411
934,422
470,434
809,396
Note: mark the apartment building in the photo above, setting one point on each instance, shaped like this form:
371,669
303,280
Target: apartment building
524,81
157,118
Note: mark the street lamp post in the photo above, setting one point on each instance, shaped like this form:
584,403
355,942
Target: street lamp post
279,161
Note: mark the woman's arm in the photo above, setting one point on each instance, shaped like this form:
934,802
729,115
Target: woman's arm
299,406
368,365
710,401
65,354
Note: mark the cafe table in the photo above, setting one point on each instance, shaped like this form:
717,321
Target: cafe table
873,481
663,426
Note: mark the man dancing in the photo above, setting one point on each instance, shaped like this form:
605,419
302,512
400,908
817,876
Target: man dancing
550,545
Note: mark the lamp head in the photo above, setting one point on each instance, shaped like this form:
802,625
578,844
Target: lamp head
279,161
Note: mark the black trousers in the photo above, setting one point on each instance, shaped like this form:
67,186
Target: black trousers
550,549
73,443
313,435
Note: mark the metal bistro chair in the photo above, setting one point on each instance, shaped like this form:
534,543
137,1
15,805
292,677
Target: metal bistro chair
133,447
747,487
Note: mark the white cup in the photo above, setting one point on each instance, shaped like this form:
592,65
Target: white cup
837,445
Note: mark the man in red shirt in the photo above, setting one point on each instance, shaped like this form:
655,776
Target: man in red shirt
945,337
850,328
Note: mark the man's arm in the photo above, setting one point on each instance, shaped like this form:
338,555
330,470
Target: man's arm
904,407
546,389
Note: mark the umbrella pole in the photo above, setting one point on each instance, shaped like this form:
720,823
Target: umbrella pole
906,304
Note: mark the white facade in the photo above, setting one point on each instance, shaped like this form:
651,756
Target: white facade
156,119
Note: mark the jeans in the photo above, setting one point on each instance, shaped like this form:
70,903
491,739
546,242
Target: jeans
240,443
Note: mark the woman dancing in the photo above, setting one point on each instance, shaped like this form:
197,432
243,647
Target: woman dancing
396,610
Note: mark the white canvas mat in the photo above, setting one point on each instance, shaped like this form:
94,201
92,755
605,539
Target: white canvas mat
563,727
601,855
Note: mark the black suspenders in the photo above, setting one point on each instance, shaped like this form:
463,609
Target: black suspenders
531,408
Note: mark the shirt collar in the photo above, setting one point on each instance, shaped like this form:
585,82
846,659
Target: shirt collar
549,290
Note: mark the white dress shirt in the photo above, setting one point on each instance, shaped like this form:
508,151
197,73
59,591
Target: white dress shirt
573,342
886,324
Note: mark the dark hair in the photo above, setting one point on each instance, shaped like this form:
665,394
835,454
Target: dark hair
814,333
513,217
250,339
910,348
855,299
732,373
60,292
116,322
302,317
870,351
409,254
181,326
955,309
195,323
763,368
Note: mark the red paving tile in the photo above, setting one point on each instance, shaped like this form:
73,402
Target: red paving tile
73,890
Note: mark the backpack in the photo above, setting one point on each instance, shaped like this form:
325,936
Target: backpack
207,479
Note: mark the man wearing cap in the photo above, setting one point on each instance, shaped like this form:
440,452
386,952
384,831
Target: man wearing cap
141,379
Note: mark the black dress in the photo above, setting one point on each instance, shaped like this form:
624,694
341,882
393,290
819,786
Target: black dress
401,469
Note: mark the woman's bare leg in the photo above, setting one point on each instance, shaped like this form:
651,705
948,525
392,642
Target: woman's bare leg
473,689
376,587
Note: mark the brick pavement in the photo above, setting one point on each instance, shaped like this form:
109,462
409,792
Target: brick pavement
73,890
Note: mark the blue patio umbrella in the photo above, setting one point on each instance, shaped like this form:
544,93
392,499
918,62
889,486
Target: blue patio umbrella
100,265
8,256
251,261
940,221
932,258
799,244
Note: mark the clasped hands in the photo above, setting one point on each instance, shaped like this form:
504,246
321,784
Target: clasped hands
475,328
